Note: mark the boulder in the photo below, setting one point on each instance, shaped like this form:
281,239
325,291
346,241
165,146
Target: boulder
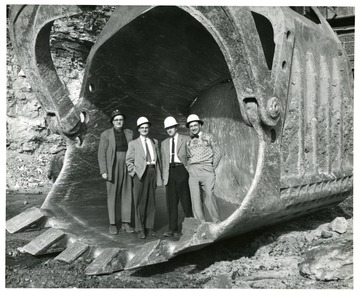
29,147
339,225
326,234
329,260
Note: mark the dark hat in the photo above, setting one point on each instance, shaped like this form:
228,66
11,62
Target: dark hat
115,113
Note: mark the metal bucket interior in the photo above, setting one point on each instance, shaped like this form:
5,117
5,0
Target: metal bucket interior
162,63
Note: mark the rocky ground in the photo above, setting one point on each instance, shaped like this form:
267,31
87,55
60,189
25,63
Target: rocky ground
314,252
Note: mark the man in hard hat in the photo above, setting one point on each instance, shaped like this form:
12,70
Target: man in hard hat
203,157
143,162
111,157
175,174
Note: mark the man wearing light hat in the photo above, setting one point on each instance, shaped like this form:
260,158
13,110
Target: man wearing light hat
111,157
175,174
203,158
143,162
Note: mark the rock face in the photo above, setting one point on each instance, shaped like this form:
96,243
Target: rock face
29,141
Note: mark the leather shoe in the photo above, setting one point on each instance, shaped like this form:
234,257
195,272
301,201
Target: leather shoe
113,229
168,233
141,234
126,227
151,232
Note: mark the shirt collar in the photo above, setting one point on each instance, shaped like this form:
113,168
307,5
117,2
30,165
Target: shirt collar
119,130
143,138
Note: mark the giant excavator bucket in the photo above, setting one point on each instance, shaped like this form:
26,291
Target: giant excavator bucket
273,86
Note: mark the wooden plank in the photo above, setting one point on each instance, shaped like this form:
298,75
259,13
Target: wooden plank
45,243
72,252
24,220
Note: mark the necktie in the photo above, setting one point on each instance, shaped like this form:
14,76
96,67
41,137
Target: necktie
172,149
194,136
148,156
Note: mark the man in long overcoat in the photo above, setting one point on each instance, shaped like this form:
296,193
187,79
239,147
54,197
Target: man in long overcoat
111,156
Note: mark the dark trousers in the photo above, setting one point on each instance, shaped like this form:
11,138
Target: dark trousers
177,189
119,195
144,199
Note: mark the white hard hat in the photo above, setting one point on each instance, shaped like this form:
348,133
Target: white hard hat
169,122
193,117
142,120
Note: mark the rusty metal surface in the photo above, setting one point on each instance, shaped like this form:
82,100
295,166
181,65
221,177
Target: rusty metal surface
272,86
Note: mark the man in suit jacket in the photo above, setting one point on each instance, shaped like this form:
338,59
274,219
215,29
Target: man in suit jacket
143,162
111,156
175,174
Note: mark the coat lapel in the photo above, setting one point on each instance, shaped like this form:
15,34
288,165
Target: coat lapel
154,148
112,139
141,148
167,148
127,135
179,144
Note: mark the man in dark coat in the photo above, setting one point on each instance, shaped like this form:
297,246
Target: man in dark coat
111,156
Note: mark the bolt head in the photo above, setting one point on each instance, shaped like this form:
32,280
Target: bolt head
273,107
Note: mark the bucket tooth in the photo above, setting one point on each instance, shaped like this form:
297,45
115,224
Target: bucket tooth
150,253
110,260
72,252
25,220
51,241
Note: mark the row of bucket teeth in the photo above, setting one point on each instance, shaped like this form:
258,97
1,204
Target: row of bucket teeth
107,260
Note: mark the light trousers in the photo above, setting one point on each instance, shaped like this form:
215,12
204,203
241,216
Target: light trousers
203,177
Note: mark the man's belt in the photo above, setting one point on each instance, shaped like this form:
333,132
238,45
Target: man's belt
175,164
150,165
